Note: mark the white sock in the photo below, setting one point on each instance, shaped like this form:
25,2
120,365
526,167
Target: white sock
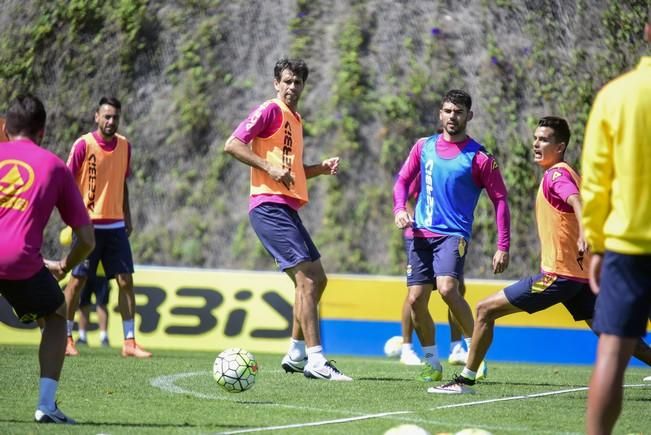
70,324
468,340
468,374
82,334
103,335
431,355
454,344
407,347
315,356
47,391
128,328
296,349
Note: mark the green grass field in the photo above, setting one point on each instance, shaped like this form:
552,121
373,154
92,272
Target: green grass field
174,392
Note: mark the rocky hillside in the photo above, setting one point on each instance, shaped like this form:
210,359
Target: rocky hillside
188,71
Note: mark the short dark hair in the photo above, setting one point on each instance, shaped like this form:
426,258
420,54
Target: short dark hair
297,66
111,101
458,97
560,127
26,116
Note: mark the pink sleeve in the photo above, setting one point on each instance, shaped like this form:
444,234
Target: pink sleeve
408,173
77,156
262,122
558,186
486,174
70,204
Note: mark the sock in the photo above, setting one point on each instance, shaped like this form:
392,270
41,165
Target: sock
454,344
407,347
103,335
128,328
70,324
82,334
432,356
468,340
296,349
315,356
468,374
47,391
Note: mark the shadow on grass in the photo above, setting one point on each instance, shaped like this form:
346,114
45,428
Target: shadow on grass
132,424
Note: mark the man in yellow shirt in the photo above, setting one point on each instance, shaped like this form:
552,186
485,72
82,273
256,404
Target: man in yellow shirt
616,193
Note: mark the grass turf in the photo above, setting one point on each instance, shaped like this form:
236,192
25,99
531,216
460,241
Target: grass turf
174,393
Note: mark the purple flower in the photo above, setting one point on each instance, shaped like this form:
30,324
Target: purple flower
436,31
495,60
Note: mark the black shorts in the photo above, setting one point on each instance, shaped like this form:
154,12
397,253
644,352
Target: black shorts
34,297
97,285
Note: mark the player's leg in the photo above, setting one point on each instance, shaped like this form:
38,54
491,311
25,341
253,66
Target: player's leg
72,291
40,297
407,354
117,261
101,308
84,311
605,393
458,355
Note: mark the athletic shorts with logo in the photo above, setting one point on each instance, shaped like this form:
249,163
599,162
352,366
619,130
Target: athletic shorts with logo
112,248
430,257
34,297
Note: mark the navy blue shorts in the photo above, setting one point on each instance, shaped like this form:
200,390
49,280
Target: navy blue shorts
283,235
436,256
112,248
541,291
99,286
624,301
34,297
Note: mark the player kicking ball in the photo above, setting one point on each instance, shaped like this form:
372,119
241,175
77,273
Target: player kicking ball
564,261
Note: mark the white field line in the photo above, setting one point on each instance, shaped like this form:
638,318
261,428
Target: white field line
167,383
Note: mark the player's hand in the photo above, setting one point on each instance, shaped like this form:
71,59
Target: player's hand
595,272
500,261
330,166
403,219
281,175
56,269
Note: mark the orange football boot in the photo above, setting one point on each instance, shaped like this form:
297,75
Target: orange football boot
130,348
71,350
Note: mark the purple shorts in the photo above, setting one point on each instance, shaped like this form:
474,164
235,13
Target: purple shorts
283,235
436,256
99,286
112,248
624,301
541,291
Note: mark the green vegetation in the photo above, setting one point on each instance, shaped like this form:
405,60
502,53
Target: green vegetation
174,393
189,71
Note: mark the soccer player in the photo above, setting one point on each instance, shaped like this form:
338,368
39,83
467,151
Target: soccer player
454,168
616,192
564,259
278,190
100,162
33,181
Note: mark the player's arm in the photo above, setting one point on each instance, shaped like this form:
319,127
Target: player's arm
491,179
408,173
237,145
82,245
126,209
327,167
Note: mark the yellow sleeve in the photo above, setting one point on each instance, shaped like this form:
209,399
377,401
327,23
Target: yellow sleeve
597,172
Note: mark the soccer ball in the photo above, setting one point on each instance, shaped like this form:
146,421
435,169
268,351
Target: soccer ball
393,347
407,429
235,369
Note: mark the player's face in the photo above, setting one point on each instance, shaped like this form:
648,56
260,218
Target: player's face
289,88
546,150
108,120
454,118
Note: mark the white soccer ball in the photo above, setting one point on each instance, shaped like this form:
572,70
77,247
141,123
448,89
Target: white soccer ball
407,429
235,370
393,347
473,431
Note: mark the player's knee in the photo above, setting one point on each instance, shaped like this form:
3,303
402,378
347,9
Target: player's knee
485,312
